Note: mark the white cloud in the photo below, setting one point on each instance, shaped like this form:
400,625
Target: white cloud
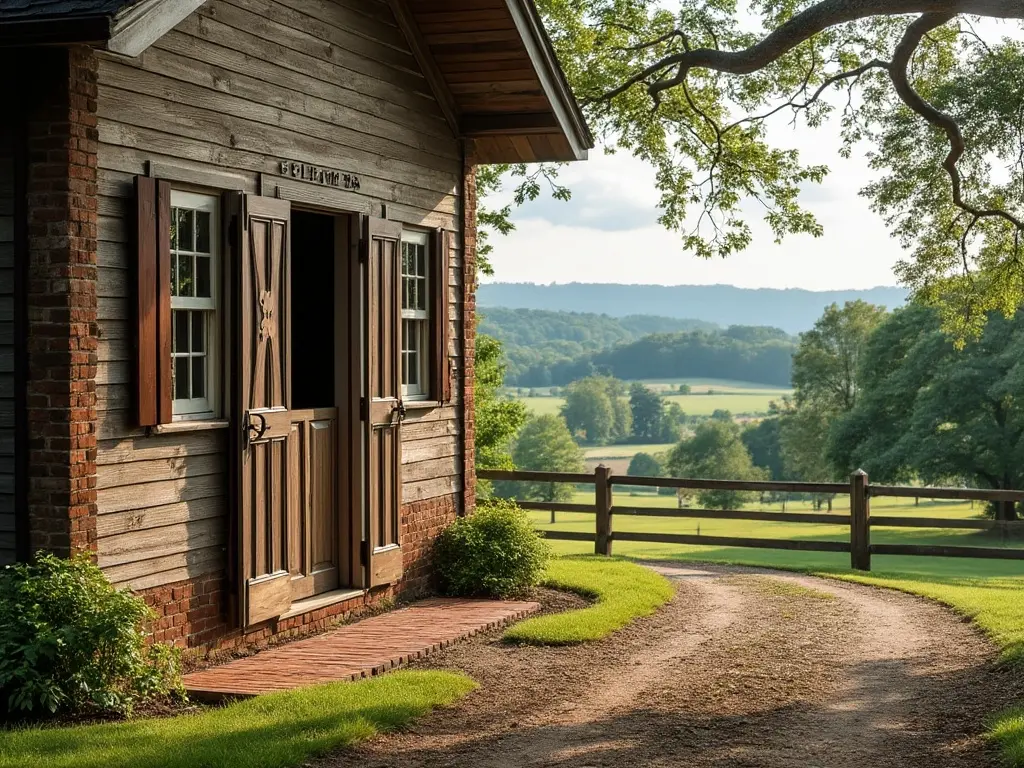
608,232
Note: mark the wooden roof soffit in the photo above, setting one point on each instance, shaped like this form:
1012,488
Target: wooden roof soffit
420,49
140,25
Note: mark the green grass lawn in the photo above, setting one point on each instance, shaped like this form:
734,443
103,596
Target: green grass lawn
278,730
622,590
987,591
739,403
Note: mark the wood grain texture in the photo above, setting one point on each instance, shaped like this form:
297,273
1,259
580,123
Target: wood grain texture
233,90
7,466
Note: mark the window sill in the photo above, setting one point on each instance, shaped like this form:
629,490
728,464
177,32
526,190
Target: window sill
200,425
317,602
421,405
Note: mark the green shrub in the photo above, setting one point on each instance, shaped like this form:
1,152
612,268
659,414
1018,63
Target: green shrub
495,552
70,642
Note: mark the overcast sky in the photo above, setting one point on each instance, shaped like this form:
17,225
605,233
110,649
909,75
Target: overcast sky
609,233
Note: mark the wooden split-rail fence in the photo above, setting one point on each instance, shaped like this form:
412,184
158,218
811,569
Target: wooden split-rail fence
859,519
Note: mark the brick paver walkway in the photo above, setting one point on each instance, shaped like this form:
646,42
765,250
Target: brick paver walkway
368,647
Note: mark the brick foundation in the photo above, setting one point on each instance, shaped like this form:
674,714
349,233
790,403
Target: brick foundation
61,203
193,614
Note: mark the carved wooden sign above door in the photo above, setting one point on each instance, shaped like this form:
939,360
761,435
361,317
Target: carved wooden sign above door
317,174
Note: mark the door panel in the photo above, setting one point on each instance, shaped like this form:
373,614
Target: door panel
313,503
266,471
384,387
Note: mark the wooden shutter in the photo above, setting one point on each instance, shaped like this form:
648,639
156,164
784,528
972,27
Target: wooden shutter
264,473
382,250
440,363
153,300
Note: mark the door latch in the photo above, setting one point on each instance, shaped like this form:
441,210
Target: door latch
253,431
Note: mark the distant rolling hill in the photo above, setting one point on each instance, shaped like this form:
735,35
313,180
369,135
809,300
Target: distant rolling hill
792,309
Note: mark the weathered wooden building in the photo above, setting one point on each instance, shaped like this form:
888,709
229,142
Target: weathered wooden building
236,288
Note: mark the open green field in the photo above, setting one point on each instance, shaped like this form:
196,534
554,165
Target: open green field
743,403
986,590
618,456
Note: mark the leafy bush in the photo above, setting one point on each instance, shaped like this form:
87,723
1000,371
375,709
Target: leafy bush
495,552
70,642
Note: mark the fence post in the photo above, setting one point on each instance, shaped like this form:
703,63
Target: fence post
603,500
860,522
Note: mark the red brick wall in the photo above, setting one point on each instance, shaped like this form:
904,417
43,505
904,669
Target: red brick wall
194,614
61,386
469,329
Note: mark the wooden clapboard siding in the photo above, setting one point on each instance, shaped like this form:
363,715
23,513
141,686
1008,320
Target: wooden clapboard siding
237,87
7,514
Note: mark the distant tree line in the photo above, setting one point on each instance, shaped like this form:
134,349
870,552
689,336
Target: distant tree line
546,349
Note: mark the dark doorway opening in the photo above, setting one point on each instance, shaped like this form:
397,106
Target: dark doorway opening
313,310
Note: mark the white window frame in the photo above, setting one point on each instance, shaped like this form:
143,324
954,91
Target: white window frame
207,407
418,318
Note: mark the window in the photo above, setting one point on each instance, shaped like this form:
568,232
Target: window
194,262
415,315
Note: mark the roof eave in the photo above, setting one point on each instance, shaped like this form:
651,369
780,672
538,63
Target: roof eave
563,103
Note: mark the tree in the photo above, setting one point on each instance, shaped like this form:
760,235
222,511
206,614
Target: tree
763,441
826,362
596,411
544,445
497,418
648,413
825,369
684,389
932,412
645,465
672,421
715,452
690,90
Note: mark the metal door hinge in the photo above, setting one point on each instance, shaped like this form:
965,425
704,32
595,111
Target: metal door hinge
364,409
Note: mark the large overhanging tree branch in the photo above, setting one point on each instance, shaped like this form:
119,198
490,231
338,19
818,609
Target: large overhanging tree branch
937,108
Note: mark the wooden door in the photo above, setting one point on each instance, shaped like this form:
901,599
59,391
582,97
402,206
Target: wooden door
266,475
382,241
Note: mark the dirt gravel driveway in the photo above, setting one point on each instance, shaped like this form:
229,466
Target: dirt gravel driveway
743,669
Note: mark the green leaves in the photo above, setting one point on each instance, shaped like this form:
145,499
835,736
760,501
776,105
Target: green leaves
495,552
71,642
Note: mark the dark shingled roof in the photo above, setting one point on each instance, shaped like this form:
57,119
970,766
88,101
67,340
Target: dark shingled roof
31,10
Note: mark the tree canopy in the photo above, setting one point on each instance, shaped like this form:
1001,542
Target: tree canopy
689,87
716,452
497,418
931,412
596,411
544,445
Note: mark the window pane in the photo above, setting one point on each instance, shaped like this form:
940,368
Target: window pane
174,275
203,276
421,294
198,331
186,241
421,260
406,296
180,333
181,378
203,231
174,231
405,367
198,376
413,372
406,258
185,282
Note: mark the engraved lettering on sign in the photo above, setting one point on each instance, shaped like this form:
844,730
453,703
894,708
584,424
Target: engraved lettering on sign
316,174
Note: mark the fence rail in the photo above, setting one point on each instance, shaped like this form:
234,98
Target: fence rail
859,519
